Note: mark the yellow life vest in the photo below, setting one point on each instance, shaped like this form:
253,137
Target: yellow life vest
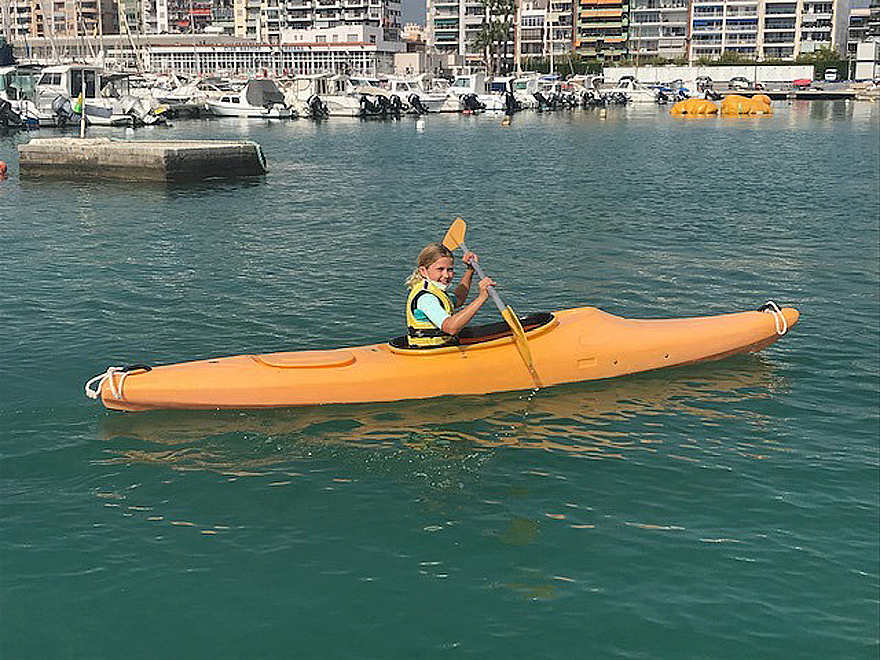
424,334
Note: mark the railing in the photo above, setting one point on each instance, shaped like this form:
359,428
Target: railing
787,24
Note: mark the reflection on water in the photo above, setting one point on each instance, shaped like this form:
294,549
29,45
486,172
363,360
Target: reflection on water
596,420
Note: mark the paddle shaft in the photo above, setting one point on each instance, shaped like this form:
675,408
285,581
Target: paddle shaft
507,313
494,294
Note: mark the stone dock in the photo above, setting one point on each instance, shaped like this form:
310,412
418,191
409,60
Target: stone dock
137,160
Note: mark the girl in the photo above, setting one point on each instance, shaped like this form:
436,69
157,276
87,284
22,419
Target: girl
431,319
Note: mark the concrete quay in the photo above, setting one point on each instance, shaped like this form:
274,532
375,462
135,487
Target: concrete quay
136,160
804,95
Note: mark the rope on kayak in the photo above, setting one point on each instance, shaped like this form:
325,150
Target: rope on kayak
115,383
778,317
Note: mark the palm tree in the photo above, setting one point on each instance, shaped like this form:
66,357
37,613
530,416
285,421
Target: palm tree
495,31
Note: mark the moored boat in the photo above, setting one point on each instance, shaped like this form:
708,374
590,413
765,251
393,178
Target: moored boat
572,345
260,99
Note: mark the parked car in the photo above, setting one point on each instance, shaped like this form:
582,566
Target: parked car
703,83
741,82
801,83
830,75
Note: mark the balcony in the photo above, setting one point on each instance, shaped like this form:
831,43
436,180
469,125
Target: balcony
819,37
779,38
779,24
776,10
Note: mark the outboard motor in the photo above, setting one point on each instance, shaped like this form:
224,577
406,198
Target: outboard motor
471,103
712,95
511,105
396,105
63,110
383,106
542,101
317,108
8,116
661,98
368,108
416,104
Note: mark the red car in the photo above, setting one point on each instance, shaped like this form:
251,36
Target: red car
801,82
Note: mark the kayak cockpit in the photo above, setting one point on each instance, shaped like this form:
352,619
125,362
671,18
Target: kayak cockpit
482,333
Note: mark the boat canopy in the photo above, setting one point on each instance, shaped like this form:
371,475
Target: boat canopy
263,92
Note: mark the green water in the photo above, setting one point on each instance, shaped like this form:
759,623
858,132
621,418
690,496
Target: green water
727,510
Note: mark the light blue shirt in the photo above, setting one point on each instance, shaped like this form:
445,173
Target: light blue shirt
429,308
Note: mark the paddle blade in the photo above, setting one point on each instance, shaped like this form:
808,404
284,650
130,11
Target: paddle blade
455,235
522,344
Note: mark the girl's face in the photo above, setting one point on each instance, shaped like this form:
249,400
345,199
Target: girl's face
439,271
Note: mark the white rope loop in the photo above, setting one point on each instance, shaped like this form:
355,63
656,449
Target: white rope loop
778,317
115,388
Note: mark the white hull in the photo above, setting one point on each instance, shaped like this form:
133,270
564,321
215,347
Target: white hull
493,102
100,120
245,111
450,104
435,103
342,106
640,96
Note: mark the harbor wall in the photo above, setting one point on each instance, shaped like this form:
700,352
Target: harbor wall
665,74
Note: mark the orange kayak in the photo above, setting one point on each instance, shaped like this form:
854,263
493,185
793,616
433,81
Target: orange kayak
572,345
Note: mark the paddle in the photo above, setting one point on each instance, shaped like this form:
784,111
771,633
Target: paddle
455,238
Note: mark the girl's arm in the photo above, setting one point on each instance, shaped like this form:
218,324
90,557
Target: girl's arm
464,287
455,323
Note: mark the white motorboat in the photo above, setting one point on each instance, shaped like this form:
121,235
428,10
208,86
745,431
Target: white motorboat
335,94
17,94
524,88
305,94
260,99
472,86
58,91
635,91
342,95
417,99
131,99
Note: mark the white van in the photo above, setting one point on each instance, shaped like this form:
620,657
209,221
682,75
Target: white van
830,75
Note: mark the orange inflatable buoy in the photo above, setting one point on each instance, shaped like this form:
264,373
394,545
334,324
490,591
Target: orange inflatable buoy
2,169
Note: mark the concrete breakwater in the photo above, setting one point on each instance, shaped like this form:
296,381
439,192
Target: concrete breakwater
136,160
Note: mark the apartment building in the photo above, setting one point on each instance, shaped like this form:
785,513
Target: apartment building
602,29
265,20
658,29
452,28
767,29
546,28
17,17
60,18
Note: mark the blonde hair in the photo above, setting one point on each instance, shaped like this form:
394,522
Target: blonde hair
429,254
